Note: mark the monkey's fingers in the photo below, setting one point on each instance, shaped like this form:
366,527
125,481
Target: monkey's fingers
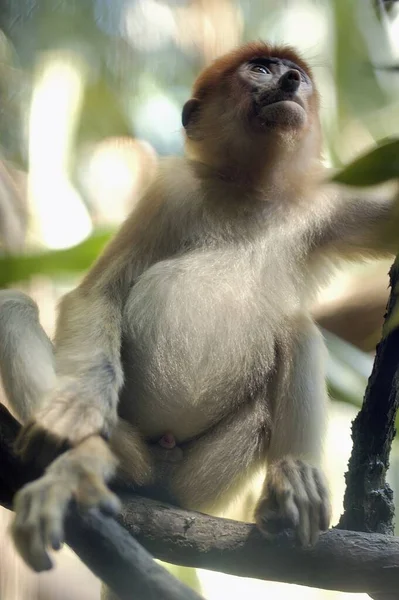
325,507
41,507
276,510
295,497
93,493
38,525
312,494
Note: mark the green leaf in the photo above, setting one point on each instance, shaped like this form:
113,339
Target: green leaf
359,38
52,263
379,165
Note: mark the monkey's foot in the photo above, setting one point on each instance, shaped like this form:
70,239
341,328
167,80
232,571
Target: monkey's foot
41,505
295,496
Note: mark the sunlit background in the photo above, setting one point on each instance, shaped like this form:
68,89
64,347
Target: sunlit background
90,96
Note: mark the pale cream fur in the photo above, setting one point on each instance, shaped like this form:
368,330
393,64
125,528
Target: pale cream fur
195,321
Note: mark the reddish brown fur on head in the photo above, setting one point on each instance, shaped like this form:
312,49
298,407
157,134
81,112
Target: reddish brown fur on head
239,124
223,68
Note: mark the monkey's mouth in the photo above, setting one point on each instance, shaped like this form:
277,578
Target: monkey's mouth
288,101
277,98
281,109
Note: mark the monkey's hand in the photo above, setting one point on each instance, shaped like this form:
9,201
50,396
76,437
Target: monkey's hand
69,415
295,496
41,506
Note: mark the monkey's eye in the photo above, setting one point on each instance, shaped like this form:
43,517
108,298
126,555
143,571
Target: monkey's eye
260,69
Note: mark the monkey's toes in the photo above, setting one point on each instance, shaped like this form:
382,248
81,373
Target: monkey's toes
297,498
92,492
38,524
41,507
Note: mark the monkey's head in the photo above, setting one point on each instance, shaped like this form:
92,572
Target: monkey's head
253,99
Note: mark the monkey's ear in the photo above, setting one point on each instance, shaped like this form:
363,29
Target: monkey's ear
190,109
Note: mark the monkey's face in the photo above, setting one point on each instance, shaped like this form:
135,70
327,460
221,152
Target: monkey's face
280,93
254,100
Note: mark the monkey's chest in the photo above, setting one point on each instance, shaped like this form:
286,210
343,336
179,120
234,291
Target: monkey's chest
199,339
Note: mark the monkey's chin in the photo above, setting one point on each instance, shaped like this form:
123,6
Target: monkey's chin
285,114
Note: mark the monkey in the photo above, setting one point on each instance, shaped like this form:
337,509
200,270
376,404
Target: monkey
186,359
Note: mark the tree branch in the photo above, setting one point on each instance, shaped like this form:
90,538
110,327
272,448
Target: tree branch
120,561
342,560
99,541
368,501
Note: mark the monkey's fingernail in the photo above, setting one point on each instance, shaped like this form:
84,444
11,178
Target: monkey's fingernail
56,542
40,563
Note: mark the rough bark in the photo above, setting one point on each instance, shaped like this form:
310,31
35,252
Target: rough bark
120,561
341,560
368,502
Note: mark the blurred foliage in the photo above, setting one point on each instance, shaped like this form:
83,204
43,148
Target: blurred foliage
354,58
55,264
187,575
348,369
377,166
102,115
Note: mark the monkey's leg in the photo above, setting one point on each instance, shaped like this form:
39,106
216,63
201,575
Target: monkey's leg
217,463
27,369
295,494
26,354
40,506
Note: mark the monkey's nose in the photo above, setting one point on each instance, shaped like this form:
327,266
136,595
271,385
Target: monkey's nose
290,81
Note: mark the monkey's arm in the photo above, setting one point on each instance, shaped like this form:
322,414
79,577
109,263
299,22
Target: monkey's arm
360,222
88,368
81,403
294,493
81,472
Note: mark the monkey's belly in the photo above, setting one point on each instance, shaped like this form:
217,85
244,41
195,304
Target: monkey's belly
196,344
